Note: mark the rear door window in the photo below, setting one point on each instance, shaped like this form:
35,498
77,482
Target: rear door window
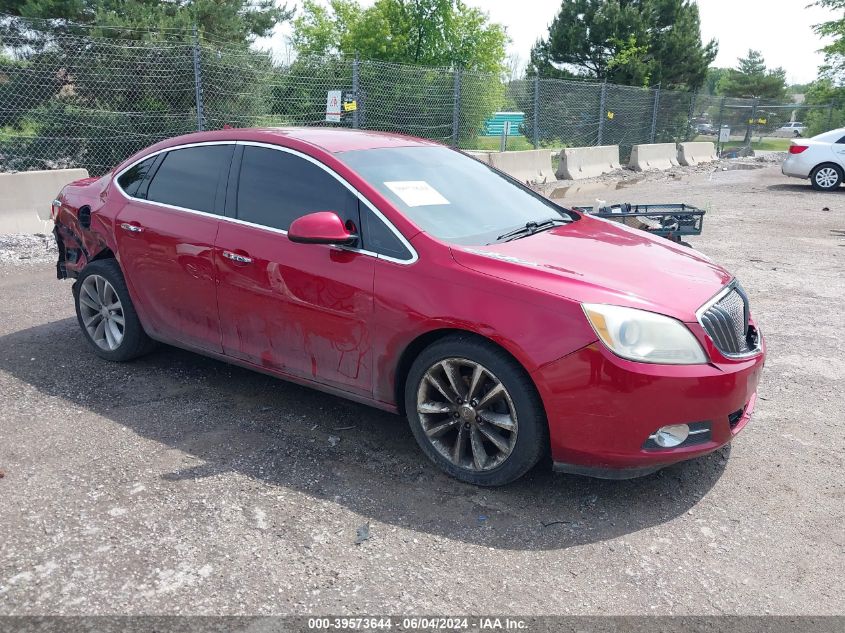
189,177
277,187
132,177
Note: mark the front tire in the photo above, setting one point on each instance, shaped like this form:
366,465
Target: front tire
826,177
106,314
474,411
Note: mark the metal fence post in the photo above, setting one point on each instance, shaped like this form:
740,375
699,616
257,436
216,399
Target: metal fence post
749,131
536,112
654,113
690,115
829,115
719,132
456,108
198,83
602,114
356,122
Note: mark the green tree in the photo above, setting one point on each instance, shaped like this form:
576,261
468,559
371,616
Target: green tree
829,88
751,79
834,68
712,79
443,33
85,94
824,92
633,42
433,40
230,21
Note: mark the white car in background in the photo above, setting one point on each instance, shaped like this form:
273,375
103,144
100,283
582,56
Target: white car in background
821,159
791,129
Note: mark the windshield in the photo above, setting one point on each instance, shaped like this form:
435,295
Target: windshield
449,195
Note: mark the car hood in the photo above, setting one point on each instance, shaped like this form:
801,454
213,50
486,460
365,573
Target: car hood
598,261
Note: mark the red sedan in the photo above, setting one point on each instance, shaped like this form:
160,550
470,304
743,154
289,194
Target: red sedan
405,275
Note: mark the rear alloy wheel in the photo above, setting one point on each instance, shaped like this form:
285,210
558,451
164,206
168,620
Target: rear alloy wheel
475,412
106,314
102,313
826,177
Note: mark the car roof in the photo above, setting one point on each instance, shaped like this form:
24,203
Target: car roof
832,136
329,139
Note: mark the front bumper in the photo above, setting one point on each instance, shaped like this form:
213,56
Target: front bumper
602,409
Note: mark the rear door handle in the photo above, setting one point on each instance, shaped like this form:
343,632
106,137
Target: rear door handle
235,257
132,228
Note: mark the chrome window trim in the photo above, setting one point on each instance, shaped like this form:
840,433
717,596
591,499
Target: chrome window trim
405,262
710,302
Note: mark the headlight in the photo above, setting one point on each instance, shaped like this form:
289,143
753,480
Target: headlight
644,336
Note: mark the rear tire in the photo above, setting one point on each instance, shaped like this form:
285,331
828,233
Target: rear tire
826,177
106,314
475,412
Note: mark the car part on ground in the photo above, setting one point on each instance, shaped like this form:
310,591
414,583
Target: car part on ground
672,221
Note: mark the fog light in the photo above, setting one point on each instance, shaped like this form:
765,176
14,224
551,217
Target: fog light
672,435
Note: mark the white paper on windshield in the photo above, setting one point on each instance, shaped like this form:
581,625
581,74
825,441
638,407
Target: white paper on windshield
416,193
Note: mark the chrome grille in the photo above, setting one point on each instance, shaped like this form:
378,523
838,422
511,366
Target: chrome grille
726,321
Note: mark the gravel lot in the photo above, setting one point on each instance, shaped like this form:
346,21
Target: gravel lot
178,484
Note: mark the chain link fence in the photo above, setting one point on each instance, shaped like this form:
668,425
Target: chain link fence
71,99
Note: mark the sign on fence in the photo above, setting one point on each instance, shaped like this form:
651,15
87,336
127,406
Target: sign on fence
724,134
333,103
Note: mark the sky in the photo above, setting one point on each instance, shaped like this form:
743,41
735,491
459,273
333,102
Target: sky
780,29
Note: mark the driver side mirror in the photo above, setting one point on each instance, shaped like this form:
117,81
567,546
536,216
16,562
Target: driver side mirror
322,227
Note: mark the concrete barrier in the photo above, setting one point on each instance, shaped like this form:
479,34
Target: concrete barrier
484,157
530,166
654,156
695,153
26,197
586,162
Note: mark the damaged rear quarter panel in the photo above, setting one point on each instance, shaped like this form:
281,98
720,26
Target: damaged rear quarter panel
99,236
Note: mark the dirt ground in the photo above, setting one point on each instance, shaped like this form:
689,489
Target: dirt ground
178,484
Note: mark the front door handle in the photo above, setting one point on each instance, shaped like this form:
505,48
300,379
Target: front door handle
132,228
235,257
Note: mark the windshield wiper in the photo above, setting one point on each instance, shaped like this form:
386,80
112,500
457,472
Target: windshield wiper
530,228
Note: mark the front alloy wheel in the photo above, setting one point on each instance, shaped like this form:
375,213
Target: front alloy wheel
467,414
475,411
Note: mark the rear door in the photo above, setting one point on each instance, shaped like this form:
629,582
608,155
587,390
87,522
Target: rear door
839,151
302,309
165,237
